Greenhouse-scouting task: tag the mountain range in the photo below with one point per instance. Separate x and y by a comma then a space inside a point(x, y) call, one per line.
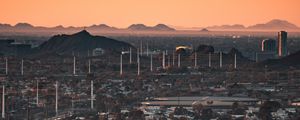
point(274, 24)
point(100, 27)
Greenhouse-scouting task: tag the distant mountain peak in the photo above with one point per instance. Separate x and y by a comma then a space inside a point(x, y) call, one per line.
point(277, 21)
point(234, 26)
point(103, 25)
point(82, 33)
point(274, 24)
point(23, 25)
point(158, 27)
point(204, 30)
point(137, 26)
point(163, 27)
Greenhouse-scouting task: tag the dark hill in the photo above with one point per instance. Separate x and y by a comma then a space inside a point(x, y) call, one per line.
point(227, 58)
point(290, 60)
point(239, 56)
point(205, 49)
point(80, 42)
point(234, 51)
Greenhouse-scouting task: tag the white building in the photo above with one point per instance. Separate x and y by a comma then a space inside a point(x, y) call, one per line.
point(98, 52)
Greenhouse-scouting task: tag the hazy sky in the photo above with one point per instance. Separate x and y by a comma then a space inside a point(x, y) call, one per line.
point(122, 13)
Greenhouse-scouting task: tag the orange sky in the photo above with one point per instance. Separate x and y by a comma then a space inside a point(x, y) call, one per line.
point(122, 13)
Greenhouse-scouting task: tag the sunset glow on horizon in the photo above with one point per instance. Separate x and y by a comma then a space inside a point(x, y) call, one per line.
point(122, 13)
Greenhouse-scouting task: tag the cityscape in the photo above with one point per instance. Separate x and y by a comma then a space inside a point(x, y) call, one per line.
point(172, 71)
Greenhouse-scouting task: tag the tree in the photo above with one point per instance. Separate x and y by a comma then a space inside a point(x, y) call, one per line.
point(237, 109)
point(136, 115)
point(207, 114)
point(197, 107)
point(266, 108)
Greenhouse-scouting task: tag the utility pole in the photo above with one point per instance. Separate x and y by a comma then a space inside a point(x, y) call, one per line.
point(178, 64)
point(151, 63)
point(3, 101)
point(138, 62)
point(163, 60)
point(6, 66)
point(130, 55)
point(141, 48)
point(121, 66)
point(37, 92)
point(169, 61)
point(209, 60)
point(92, 94)
point(173, 59)
point(56, 98)
point(74, 65)
point(89, 67)
point(22, 67)
point(147, 49)
point(195, 64)
point(221, 60)
point(235, 61)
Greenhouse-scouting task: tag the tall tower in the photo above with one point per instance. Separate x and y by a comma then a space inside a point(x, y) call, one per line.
point(282, 43)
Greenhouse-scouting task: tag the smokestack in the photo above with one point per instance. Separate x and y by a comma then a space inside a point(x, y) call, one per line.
point(221, 60)
point(195, 64)
point(6, 66)
point(3, 101)
point(151, 63)
point(22, 67)
point(209, 60)
point(121, 65)
point(92, 94)
point(235, 61)
point(56, 98)
point(130, 55)
point(164, 60)
point(88, 52)
point(178, 64)
point(74, 65)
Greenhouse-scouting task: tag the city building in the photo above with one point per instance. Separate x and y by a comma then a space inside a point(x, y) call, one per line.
point(184, 50)
point(282, 43)
point(98, 52)
point(268, 50)
point(268, 45)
